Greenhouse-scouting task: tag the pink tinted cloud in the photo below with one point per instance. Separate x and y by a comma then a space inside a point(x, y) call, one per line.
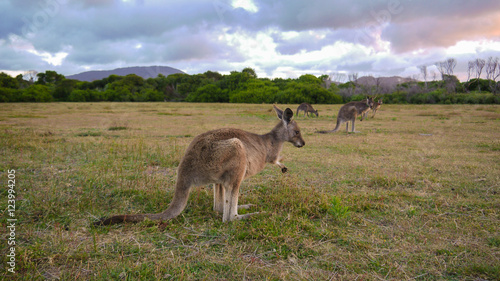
point(430, 32)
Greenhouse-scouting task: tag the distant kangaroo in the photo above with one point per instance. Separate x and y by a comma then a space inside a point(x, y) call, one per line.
point(376, 106)
point(348, 113)
point(306, 108)
point(224, 157)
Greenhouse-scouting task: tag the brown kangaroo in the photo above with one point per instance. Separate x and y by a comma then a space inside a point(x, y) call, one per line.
point(376, 107)
point(224, 157)
point(348, 113)
point(306, 108)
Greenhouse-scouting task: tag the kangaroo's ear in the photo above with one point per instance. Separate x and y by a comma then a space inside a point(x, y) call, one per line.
point(287, 117)
point(279, 112)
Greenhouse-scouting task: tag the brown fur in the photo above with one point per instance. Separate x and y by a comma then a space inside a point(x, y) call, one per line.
point(306, 108)
point(376, 107)
point(224, 157)
point(348, 113)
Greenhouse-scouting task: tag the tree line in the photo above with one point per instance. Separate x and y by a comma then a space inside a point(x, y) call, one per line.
point(242, 87)
point(236, 87)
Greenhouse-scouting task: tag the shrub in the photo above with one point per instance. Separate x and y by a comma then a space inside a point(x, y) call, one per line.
point(207, 93)
point(77, 96)
point(36, 93)
point(9, 95)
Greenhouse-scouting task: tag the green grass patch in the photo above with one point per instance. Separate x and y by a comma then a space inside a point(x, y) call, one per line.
point(26, 116)
point(90, 133)
point(117, 128)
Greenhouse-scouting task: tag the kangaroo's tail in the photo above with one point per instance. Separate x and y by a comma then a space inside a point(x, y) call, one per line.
point(176, 207)
point(334, 130)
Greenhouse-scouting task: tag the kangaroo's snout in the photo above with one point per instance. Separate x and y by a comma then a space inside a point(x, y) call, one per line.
point(300, 144)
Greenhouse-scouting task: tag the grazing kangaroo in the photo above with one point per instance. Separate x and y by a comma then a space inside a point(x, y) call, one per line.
point(376, 106)
point(348, 113)
point(224, 157)
point(306, 108)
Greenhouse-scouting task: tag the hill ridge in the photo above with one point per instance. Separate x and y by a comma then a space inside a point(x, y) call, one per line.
point(142, 71)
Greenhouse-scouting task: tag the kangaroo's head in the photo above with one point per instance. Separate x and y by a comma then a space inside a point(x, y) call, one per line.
point(369, 102)
point(316, 112)
point(289, 130)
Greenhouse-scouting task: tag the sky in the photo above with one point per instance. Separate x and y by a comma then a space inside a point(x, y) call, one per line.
point(277, 38)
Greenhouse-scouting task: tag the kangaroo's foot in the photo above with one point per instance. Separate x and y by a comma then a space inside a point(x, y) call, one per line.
point(283, 168)
point(245, 216)
point(246, 207)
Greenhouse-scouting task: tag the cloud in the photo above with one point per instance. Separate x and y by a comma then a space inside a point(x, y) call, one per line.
point(19, 58)
point(441, 32)
point(274, 37)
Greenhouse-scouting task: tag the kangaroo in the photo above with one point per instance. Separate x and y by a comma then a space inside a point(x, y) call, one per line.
point(365, 114)
point(376, 107)
point(224, 157)
point(348, 113)
point(306, 108)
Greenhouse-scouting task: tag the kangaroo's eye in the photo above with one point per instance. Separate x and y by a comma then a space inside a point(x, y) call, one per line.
point(297, 132)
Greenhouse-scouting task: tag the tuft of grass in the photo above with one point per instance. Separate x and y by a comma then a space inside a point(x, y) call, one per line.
point(90, 133)
point(174, 114)
point(26, 116)
point(337, 209)
point(117, 128)
point(494, 241)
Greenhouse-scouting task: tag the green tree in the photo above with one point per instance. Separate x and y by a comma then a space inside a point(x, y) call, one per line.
point(23, 84)
point(233, 81)
point(310, 79)
point(214, 76)
point(296, 92)
point(125, 89)
point(208, 93)
point(8, 81)
point(250, 72)
point(77, 96)
point(10, 95)
point(37, 93)
point(64, 88)
point(255, 91)
point(49, 77)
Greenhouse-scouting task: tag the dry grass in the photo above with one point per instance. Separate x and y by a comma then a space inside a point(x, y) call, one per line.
point(415, 195)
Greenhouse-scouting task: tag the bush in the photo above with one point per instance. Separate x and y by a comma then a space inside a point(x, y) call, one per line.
point(208, 93)
point(77, 96)
point(9, 95)
point(261, 95)
point(152, 95)
point(311, 93)
point(396, 98)
point(36, 93)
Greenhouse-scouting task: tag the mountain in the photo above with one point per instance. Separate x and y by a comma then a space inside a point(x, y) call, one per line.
point(143, 71)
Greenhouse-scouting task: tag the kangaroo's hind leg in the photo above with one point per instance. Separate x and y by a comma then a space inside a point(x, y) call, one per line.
point(218, 198)
point(234, 171)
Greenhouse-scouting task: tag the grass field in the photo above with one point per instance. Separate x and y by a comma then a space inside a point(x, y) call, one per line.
point(413, 196)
